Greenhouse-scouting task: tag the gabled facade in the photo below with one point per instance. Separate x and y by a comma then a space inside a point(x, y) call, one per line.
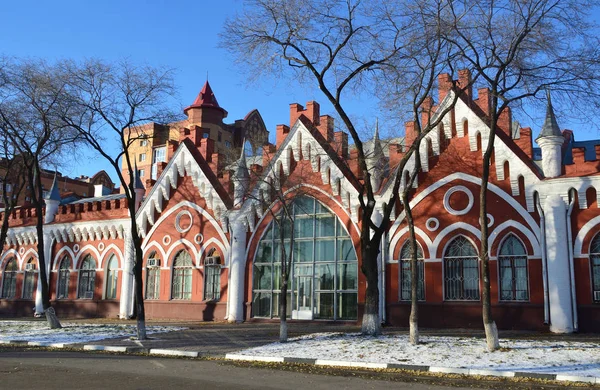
point(211, 246)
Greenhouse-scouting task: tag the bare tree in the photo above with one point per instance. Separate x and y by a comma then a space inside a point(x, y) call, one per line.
point(518, 49)
point(32, 96)
point(112, 102)
point(341, 46)
point(279, 196)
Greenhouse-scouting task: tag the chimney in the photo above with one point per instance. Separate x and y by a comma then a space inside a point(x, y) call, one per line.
point(444, 85)
point(483, 100)
point(426, 110)
point(464, 82)
point(207, 148)
point(325, 127)
point(280, 134)
point(409, 136)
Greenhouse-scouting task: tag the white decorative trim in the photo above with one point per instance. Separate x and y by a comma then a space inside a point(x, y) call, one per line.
point(194, 254)
point(453, 190)
point(21, 251)
point(59, 255)
point(455, 226)
point(101, 246)
point(117, 252)
point(178, 226)
point(193, 206)
point(491, 219)
point(432, 224)
point(93, 251)
point(76, 248)
point(533, 226)
point(583, 232)
point(394, 241)
point(166, 240)
point(198, 238)
point(24, 256)
point(521, 228)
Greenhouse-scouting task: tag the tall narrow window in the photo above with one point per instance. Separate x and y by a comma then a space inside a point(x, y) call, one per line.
point(153, 277)
point(111, 278)
point(182, 276)
point(212, 276)
point(29, 282)
point(405, 275)
point(64, 274)
point(512, 261)
point(595, 264)
point(87, 278)
point(461, 271)
point(9, 279)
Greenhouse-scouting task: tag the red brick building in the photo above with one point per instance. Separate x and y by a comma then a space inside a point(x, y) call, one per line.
point(210, 245)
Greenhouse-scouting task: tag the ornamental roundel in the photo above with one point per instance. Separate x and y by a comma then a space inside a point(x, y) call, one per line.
point(184, 221)
point(76, 248)
point(101, 246)
point(198, 238)
point(458, 200)
point(21, 251)
point(432, 224)
point(166, 240)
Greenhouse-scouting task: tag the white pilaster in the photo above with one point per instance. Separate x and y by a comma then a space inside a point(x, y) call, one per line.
point(237, 270)
point(126, 299)
point(559, 283)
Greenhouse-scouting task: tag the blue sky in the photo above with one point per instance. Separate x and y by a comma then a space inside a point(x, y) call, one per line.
point(178, 34)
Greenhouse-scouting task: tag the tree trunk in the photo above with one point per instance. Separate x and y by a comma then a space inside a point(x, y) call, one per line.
point(283, 326)
point(414, 276)
point(36, 189)
point(491, 332)
point(370, 321)
point(139, 281)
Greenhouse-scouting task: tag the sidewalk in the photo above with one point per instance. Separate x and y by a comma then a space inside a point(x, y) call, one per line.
point(222, 340)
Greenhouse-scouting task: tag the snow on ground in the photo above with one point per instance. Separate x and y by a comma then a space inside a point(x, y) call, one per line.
point(545, 356)
point(39, 331)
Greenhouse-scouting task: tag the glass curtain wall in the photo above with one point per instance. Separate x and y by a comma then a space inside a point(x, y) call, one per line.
point(324, 274)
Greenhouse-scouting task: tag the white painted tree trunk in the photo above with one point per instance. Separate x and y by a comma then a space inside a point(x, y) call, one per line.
point(414, 333)
point(283, 331)
point(370, 324)
point(491, 336)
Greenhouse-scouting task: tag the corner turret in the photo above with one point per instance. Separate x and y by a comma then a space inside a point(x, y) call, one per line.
point(550, 141)
point(52, 201)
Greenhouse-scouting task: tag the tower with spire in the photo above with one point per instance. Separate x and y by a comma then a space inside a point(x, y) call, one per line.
point(375, 159)
point(550, 141)
point(52, 201)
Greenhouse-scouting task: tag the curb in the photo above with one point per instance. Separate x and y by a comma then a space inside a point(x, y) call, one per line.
point(316, 362)
point(444, 370)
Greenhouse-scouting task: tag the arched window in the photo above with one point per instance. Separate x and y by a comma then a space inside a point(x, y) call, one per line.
point(512, 261)
point(461, 271)
point(9, 279)
point(64, 274)
point(111, 278)
point(153, 276)
point(595, 264)
point(29, 281)
point(181, 287)
point(405, 275)
point(87, 278)
point(323, 280)
point(212, 276)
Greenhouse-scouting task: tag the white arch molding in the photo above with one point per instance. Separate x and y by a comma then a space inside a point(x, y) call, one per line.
point(93, 251)
point(520, 227)
point(330, 196)
point(583, 232)
point(59, 255)
point(533, 226)
point(419, 232)
point(117, 252)
point(449, 229)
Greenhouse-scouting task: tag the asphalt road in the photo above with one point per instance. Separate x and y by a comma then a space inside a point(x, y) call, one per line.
point(75, 370)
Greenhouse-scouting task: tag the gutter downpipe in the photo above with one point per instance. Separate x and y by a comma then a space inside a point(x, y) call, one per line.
point(544, 263)
point(572, 266)
point(229, 270)
point(383, 258)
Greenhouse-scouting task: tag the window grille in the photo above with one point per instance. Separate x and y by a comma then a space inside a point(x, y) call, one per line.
point(405, 275)
point(182, 276)
point(595, 264)
point(461, 271)
point(87, 278)
point(64, 275)
point(512, 261)
point(9, 279)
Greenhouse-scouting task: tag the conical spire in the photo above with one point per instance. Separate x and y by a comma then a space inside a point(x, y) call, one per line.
point(241, 165)
point(206, 99)
point(54, 193)
point(377, 149)
point(139, 185)
point(550, 128)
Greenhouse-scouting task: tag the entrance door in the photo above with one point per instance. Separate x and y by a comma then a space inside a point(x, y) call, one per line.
point(303, 294)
